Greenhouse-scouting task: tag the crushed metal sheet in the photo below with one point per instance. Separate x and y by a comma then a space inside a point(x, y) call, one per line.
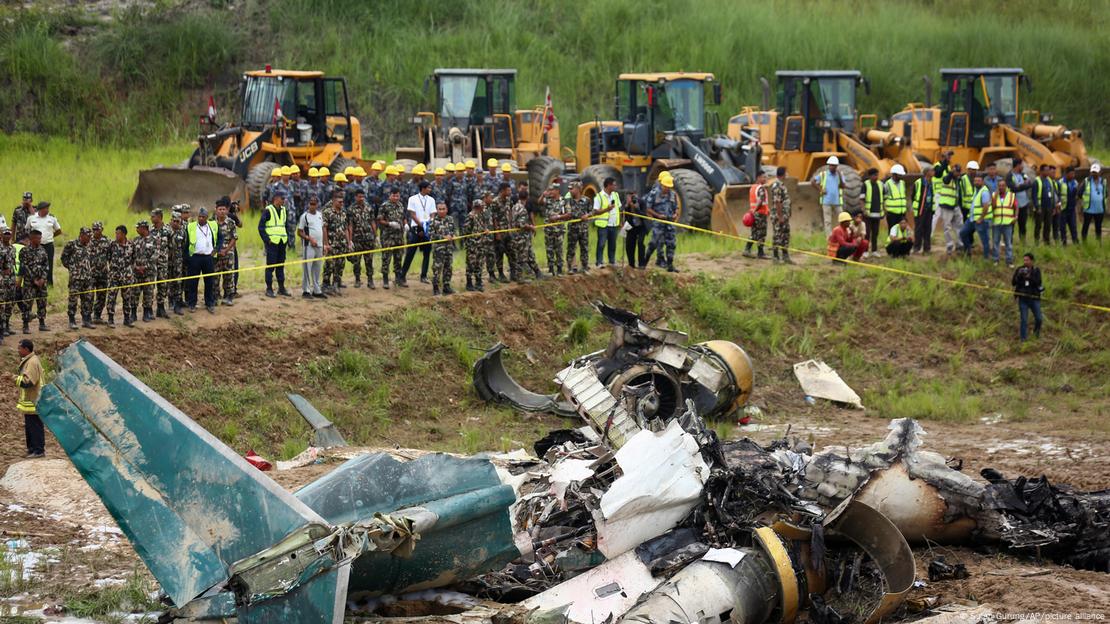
point(820, 381)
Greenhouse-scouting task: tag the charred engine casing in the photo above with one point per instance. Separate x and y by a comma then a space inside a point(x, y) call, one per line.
point(650, 370)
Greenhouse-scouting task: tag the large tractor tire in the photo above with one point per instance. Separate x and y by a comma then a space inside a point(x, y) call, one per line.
point(258, 178)
point(594, 176)
point(340, 164)
point(695, 198)
point(541, 171)
point(852, 183)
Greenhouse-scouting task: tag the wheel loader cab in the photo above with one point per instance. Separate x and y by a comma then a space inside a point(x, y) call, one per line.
point(315, 109)
point(655, 107)
point(974, 101)
point(482, 99)
point(812, 105)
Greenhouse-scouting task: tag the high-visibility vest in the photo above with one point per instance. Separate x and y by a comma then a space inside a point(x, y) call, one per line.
point(868, 197)
point(944, 193)
point(612, 201)
point(895, 197)
point(1062, 191)
point(1005, 211)
point(822, 178)
point(275, 225)
point(18, 248)
point(967, 191)
point(979, 210)
point(25, 404)
point(899, 230)
point(1085, 201)
point(919, 195)
point(1039, 186)
point(191, 232)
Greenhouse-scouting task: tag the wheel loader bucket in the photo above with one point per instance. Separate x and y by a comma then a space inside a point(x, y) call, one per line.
point(199, 186)
point(729, 206)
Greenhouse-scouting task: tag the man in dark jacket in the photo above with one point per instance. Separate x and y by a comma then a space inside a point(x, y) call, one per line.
point(1027, 290)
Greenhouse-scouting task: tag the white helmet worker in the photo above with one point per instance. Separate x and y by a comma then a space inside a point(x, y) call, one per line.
point(898, 170)
point(973, 164)
point(832, 161)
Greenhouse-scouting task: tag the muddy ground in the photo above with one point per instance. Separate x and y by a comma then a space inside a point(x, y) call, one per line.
point(55, 513)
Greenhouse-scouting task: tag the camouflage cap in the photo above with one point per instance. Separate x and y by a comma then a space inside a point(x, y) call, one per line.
point(477, 203)
point(181, 208)
point(98, 225)
point(576, 184)
point(155, 211)
point(5, 230)
point(143, 223)
point(85, 231)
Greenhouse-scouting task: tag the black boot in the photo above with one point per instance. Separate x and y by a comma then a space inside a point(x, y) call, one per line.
point(26, 327)
point(478, 284)
point(111, 320)
point(492, 278)
point(748, 250)
point(435, 290)
point(162, 311)
point(148, 315)
point(447, 290)
point(358, 281)
point(370, 283)
point(501, 277)
point(72, 322)
point(178, 308)
point(98, 319)
point(401, 281)
point(43, 327)
point(786, 257)
point(761, 255)
point(469, 284)
point(775, 252)
point(87, 323)
point(385, 282)
point(128, 318)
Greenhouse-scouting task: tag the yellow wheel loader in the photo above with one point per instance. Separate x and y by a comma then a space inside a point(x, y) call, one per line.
point(476, 118)
point(977, 119)
point(661, 125)
point(285, 117)
point(815, 118)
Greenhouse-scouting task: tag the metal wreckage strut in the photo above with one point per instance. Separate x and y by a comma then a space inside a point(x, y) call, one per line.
point(641, 515)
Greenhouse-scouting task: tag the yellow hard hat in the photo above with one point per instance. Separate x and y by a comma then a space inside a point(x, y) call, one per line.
point(390, 170)
point(506, 167)
point(470, 164)
point(491, 163)
point(398, 168)
point(419, 169)
point(377, 166)
point(287, 170)
point(313, 172)
point(349, 171)
point(844, 216)
point(324, 172)
point(666, 181)
point(276, 173)
point(441, 170)
point(340, 177)
point(449, 167)
point(294, 169)
point(665, 174)
point(359, 171)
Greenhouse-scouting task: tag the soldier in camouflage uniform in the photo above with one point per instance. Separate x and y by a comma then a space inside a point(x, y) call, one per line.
point(160, 235)
point(554, 211)
point(364, 238)
point(500, 219)
point(20, 215)
point(177, 260)
point(442, 230)
point(226, 247)
point(439, 186)
point(578, 232)
point(458, 204)
point(99, 244)
point(663, 206)
point(8, 291)
point(34, 266)
point(121, 275)
point(337, 241)
point(391, 218)
point(780, 217)
point(77, 257)
point(144, 260)
point(523, 257)
point(476, 247)
point(758, 206)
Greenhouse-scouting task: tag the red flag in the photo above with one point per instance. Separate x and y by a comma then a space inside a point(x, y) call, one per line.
point(278, 116)
point(211, 109)
point(548, 112)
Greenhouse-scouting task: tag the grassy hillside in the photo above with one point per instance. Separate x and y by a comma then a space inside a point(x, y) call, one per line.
point(144, 74)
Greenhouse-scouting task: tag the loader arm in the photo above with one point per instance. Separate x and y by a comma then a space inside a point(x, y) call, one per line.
point(860, 156)
point(1027, 147)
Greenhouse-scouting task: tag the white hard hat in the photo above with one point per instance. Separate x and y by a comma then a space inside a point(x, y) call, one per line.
point(898, 170)
point(973, 164)
point(833, 160)
point(1096, 168)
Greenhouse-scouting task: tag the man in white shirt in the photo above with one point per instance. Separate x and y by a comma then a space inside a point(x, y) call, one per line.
point(200, 242)
point(48, 224)
point(310, 229)
point(421, 209)
point(607, 209)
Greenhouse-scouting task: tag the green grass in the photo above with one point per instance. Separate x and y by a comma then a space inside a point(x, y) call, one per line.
point(109, 604)
point(146, 74)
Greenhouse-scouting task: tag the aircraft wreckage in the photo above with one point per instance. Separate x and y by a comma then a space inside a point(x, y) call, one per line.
point(641, 515)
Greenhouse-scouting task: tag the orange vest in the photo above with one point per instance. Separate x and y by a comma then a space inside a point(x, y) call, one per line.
point(755, 202)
